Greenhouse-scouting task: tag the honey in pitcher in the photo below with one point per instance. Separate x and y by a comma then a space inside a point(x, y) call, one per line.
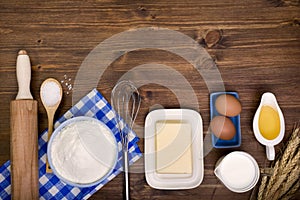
point(269, 122)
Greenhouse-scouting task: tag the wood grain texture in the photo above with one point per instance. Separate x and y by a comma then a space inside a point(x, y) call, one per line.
point(258, 51)
point(24, 150)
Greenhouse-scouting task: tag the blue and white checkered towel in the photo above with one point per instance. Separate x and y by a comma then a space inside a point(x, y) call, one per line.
point(92, 105)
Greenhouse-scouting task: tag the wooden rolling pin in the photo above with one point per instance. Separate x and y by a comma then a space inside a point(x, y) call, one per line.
point(24, 135)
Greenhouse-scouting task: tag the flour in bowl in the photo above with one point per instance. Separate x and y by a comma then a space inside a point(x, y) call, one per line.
point(83, 152)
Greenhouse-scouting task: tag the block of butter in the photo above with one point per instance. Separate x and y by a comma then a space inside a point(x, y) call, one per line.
point(173, 144)
point(174, 149)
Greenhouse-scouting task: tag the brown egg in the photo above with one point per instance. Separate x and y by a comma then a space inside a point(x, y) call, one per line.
point(222, 127)
point(228, 105)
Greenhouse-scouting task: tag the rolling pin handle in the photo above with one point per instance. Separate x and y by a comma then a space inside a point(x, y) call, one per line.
point(23, 69)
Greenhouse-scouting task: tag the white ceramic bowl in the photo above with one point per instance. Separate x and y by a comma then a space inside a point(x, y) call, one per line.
point(102, 150)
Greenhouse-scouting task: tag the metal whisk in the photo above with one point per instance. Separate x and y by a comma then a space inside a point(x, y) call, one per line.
point(126, 100)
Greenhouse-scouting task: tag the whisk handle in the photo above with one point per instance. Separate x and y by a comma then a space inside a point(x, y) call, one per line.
point(126, 174)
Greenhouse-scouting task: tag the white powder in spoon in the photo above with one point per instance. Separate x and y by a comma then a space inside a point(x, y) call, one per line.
point(50, 92)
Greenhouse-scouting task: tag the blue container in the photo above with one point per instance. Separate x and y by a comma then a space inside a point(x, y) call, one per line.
point(236, 140)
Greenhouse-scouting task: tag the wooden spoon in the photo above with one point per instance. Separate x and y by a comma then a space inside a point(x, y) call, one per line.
point(51, 95)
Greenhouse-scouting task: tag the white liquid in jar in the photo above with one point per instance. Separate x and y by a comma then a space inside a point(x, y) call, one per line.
point(237, 171)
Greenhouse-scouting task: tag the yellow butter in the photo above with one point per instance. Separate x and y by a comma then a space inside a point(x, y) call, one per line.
point(173, 143)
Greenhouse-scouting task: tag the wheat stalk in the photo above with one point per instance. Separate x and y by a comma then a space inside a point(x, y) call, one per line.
point(283, 169)
point(292, 191)
point(282, 182)
point(262, 187)
point(294, 176)
point(286, 171)
point(276, 186)
point(280, 163)
point(273, 177)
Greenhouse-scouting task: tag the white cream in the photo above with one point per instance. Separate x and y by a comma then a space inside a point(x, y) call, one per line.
point(83, 152)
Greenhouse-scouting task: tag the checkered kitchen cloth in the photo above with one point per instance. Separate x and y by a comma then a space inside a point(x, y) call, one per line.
point(51, 187)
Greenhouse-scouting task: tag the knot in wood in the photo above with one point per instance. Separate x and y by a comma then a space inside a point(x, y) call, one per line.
point(213, 37)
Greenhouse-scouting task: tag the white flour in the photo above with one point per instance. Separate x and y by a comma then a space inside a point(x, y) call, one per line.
point(83, 152)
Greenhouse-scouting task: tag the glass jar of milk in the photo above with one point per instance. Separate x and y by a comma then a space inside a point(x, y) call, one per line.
point(238, 171)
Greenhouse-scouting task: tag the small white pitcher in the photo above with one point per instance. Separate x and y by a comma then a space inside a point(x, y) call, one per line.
point(238, 171)
point(268, 99)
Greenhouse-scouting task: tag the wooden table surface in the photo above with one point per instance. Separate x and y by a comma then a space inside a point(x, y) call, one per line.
point(255, 44)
